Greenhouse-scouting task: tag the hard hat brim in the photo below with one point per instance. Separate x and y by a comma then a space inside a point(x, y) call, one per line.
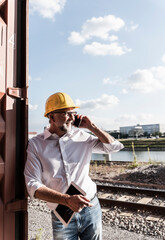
point(46, 114)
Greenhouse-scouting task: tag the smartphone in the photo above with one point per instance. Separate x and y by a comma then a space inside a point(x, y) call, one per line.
point(77, 121)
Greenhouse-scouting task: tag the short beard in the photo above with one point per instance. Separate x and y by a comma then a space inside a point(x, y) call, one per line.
point(65, 128)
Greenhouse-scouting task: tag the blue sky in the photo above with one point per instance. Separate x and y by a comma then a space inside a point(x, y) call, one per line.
point(108, 55)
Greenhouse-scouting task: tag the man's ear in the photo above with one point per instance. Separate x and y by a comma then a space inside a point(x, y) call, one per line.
point(51, 117)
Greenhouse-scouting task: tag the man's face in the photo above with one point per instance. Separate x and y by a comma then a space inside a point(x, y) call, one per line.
point(63, 119)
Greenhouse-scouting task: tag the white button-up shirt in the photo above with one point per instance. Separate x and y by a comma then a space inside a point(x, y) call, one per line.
point(55, 161)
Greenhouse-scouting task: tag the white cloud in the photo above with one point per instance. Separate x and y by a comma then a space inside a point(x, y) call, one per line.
point(163, 58)
point(97, 27)
point(113, 38)
point(132, 27)
point(101, 28)
point(107, 81)
point(106, 49)
point(125, 120)
point(37, 79)
point(124, 91)
point(104, 122)
point(33, 107)
point(76, 38)
point(147, 80)
point(34, 79)
point(47, 9)
point(103, 102)
point(133, 119)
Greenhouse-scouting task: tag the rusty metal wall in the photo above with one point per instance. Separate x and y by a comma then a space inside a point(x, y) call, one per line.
point(13, 117)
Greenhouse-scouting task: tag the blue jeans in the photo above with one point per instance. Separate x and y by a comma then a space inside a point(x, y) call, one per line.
point(85, 225)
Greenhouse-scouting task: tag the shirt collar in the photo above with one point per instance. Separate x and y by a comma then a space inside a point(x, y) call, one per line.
point(48, 134)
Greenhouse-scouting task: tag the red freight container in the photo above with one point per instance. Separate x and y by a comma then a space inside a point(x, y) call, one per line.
point(13, 118)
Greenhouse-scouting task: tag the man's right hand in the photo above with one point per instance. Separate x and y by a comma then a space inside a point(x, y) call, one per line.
point(77, 202)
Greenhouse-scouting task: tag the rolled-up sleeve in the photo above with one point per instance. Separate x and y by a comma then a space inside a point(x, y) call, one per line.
point(33, 171)
point(114, 146)
point(99, 147)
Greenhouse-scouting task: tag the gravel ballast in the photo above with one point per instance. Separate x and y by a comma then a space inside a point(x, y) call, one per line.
point(40, 225)
point(115, 225)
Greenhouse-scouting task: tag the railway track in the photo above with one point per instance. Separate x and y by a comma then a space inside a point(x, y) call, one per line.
point(128, 183)
point(131, 198)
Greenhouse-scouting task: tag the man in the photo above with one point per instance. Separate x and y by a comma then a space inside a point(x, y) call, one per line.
point(61, 155)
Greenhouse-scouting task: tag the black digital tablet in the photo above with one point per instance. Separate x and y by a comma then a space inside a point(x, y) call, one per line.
point(64, 213)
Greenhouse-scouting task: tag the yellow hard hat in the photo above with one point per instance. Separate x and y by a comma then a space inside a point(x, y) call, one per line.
point(57, 101)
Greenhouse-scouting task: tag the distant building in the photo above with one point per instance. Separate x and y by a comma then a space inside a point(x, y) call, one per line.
point(136, 131)
point(31, 134)
point(153, 128)
point(114, 133)
point(146, 129)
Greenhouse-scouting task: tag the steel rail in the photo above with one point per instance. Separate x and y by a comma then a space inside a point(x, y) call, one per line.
point(129, 183)
point(148, 192)
point(133, 206)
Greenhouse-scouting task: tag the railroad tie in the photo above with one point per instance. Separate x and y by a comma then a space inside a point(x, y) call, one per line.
point(106, 195)
point(145, 200)
point(153, 218)
point(126, 214)
point(104, 209)
point(123, 198)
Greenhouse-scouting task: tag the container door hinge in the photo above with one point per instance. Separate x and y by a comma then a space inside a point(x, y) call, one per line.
point(17, 205)
point(17, 92)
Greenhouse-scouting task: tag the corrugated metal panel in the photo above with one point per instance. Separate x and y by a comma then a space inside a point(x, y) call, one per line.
point(13, 118)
